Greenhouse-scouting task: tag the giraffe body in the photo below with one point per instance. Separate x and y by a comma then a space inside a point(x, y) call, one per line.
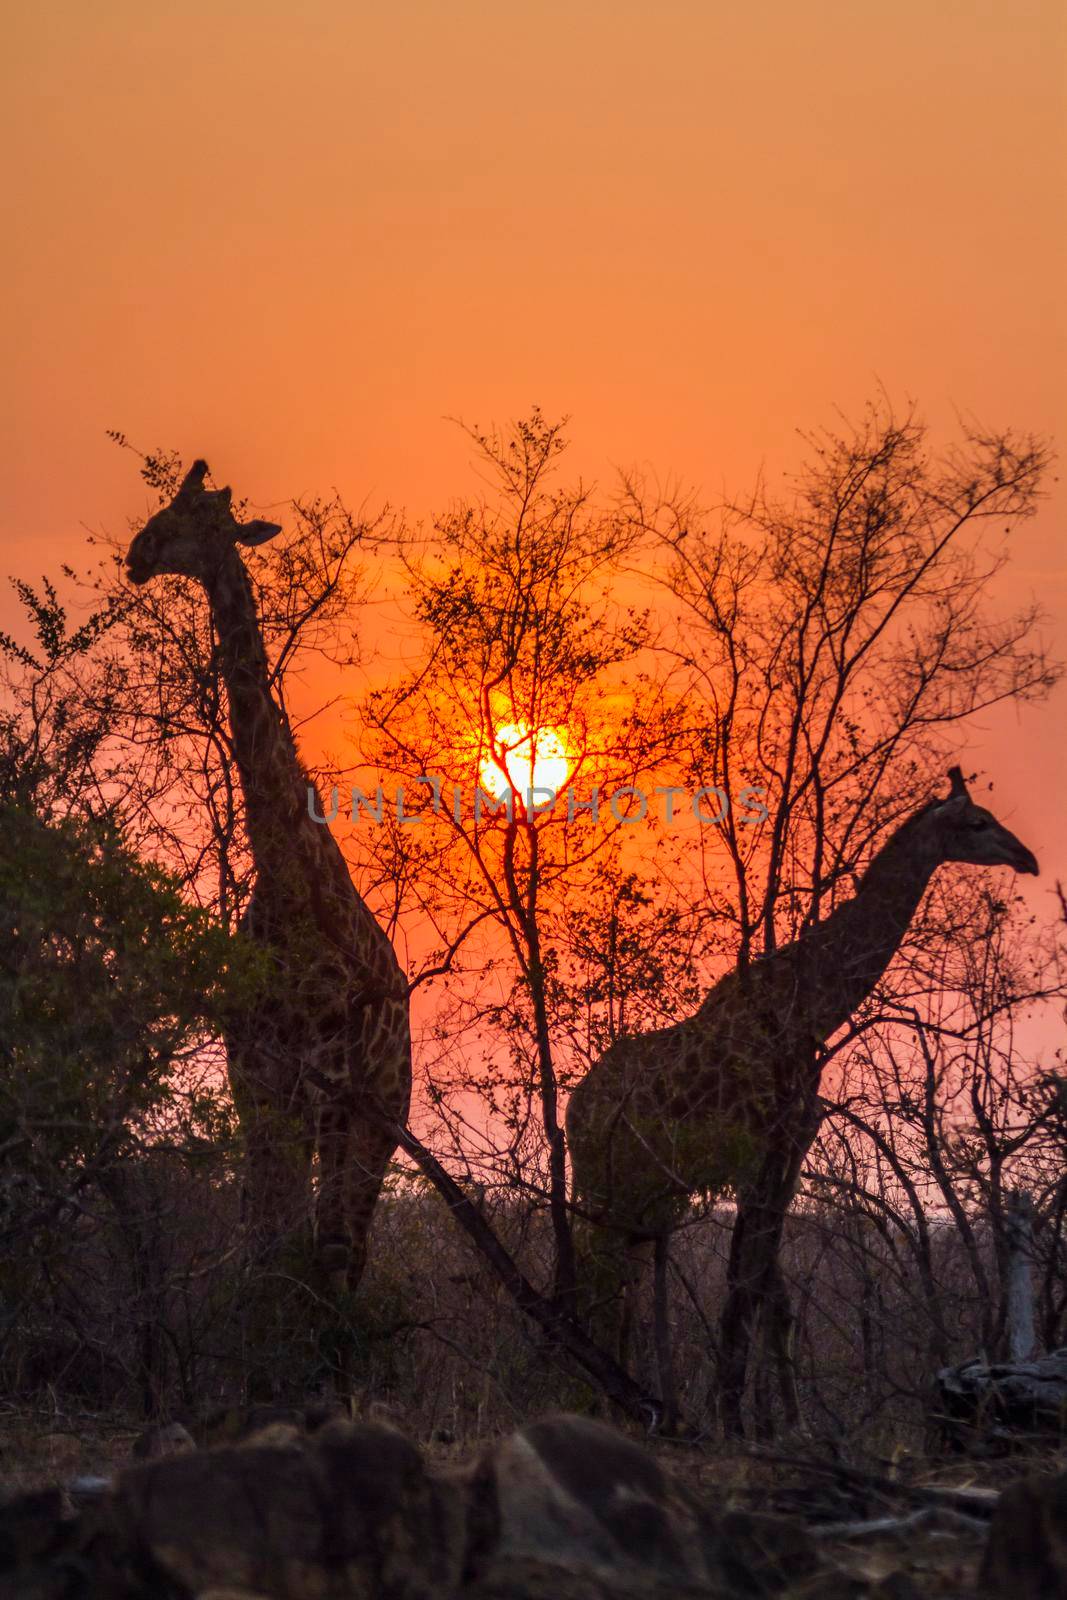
point(727, 1098)
point(322, 1065)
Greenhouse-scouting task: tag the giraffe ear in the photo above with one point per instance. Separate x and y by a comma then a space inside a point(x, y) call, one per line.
point(257, 532)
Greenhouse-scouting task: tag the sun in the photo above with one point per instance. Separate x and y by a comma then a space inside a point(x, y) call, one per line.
point(531, 761)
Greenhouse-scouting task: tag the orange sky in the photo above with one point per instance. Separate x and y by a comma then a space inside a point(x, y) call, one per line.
point(294, 238)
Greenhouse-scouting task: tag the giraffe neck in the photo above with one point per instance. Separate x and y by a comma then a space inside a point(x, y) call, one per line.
point(274, 785)
point(839, 962)
point(299, 865)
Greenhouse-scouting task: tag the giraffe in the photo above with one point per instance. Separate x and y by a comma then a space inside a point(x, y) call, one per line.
point(728, 1097)
point(325, 1060)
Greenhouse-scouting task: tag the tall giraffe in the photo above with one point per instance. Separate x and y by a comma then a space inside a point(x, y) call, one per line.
point(330, 1047)
point(729, 1096)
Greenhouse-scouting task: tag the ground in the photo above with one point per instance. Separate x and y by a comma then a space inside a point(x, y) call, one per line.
point(909, 1527)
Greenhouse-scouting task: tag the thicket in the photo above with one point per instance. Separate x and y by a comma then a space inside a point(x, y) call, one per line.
point(831, 646)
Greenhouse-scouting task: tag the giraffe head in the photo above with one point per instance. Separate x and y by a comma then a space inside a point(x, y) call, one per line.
point(967, 832)
point(191, 535)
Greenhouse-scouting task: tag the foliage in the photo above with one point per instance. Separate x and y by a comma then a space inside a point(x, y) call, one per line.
point(829, 645)
point(108, 980)
point(53, 734)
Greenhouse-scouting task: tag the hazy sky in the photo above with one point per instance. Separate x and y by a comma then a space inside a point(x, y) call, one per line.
point(294, 238)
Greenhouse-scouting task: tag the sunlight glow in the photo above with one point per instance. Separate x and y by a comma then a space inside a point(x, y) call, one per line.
point(539, 761)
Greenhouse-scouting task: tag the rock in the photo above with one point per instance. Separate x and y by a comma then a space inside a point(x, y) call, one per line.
point(62, 1451)
point(528, 1579)
point(996, 1403)
point(32, 1526)
point(88, 1489)
point(593, 1499)
point(233, 1425)
point(275, 1433)
point(319, 1412)
point(354, 1513)
point(564, 1509)
point(260, 1419)
point(574, 1495)
point(40, 1540)
point(164, 1439)
point(1026, 1555)
point(230, 1594)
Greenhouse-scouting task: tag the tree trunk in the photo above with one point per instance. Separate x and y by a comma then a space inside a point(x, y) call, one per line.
point(562, 1331)
point(1019, 1295)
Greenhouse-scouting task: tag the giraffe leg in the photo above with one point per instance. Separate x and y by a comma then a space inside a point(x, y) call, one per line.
point(754, 1247)
point(333, 1242)
point(367, 1160)
point(777, 1338)
point(277, 1157)
point(781, 1318)
point(756, 1239)
point(352, 1164)
point(738, 1320)
point(624, 1326)
point(661, 1322)
point(753, 1256)
point(601, 1278)
point(634, 1263)
point(783, 1328)
point(610, 1267)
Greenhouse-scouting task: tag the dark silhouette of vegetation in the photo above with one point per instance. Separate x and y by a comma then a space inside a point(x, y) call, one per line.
point(830, 650)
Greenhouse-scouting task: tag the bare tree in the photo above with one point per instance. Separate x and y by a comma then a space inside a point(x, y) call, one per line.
point(527, 725)
point(836, 645)
point(944, 1113)
point(829, 648)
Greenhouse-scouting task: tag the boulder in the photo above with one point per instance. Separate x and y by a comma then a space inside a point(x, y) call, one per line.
point(32, 1526)
point(163, 1439)
point(1026, 1554)
point(998, 1403)
point(563, 1509)
point(574, 1498)
point(353, 1513)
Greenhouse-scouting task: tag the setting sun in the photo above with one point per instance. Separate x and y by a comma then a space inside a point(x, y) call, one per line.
point(537, 761)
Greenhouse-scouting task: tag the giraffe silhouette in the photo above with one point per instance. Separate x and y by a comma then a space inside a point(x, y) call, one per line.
point(325, 1057)
point(728, 1098)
